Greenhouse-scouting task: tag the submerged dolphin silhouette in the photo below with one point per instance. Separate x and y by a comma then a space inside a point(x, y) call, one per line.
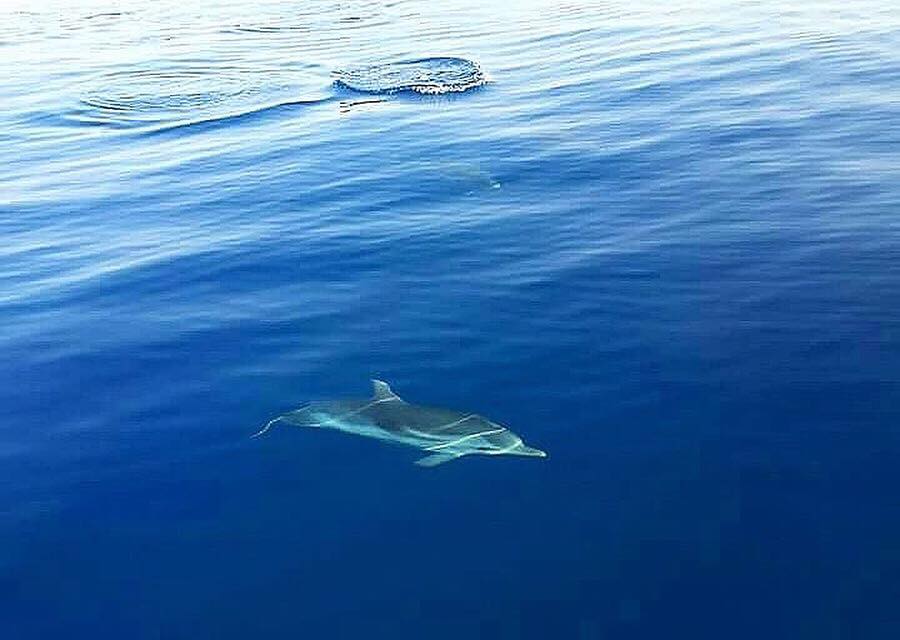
point(444, 434)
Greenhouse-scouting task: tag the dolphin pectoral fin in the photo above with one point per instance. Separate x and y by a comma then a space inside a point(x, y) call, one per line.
point(436, 458)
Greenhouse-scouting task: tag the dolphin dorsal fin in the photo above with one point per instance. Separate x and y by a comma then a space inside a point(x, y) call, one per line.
point(382, 391)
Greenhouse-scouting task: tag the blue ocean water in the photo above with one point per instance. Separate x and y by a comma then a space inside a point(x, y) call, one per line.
point(660, 243)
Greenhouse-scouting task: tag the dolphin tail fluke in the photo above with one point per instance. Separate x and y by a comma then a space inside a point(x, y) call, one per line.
point(266, 428)
point(436, 458)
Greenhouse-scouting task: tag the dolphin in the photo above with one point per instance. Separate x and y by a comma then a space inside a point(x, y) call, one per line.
point(443, 433)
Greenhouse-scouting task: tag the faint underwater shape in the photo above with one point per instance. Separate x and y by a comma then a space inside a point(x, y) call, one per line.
point(469, 176)
point(443, 433)
point(427, 76)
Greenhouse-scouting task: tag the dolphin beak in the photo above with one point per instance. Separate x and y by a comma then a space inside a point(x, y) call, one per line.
point(525, 450)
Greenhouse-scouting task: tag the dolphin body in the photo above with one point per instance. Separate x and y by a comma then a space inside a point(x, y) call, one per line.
point(445, 434)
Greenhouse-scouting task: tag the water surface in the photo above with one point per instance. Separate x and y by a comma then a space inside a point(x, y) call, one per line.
point(661, 243)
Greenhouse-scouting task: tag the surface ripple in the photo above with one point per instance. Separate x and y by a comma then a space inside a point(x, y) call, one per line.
point(191, 94)
point(427, 76)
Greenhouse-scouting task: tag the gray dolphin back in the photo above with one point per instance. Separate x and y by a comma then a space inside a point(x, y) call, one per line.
point(442, 433)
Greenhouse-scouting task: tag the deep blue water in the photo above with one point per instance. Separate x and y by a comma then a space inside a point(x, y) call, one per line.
point(662, 243)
